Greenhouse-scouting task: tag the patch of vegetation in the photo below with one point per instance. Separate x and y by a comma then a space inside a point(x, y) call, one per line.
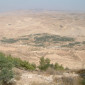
point(58, 67)
point(11, 40)
point(7, 61)
point(6, 73)
point(72, 44)
point(53, 38)
point(48, 38)
point(17, 62)
point(83, 82)
point(40, 40)
point(83, 42)
point(5, 76)
point(45, 64)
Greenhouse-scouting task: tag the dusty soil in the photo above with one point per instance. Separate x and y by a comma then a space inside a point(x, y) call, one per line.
point(41, 78)
point(15, 25)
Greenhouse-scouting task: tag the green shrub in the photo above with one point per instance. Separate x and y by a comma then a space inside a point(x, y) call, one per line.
point(83, 42)
point(6, 73)
point(17, 62)
point(27, 65)
point(4, 62)
point(9, 62)
point(58, 67)
point(83, 82)
point(5, 76)
point(51, 38)
point(9, 40)
point(44, 63)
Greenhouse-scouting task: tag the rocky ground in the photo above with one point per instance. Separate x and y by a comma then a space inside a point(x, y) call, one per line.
point(43, 78)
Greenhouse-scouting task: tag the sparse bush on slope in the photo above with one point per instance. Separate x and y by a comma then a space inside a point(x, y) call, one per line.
point(6, 65)
point(58, 67)
point(10, 41)
point(6, 75)
point(45, 64)
point(9, 61)
point(17, 62)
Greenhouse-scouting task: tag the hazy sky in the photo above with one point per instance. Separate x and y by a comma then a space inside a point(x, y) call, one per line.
point(8, 5)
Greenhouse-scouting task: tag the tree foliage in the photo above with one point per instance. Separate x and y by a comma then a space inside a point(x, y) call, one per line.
point(6, 73)
point(45, 64)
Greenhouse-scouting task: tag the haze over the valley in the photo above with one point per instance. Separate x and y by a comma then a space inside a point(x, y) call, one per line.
point(63, 5)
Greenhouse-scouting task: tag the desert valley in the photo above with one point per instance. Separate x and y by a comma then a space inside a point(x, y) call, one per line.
point(30, 35)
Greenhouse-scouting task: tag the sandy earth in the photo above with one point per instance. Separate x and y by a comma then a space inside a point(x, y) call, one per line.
point(13, 25)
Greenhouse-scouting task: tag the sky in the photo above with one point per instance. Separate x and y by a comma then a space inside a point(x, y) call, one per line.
point(66, 5)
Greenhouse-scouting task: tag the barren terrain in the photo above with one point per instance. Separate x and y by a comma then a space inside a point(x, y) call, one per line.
point(54, 35)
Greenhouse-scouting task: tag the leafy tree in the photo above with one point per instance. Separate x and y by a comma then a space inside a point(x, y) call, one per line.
point(6, 73)
point(58, 67)
point(5, 76)
point(83, 82)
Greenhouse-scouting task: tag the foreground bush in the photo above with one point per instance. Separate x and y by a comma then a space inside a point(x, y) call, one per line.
point(83, 82)
point(6, 65)
point(6, 73)
point(5, 76)
point(9, 62)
